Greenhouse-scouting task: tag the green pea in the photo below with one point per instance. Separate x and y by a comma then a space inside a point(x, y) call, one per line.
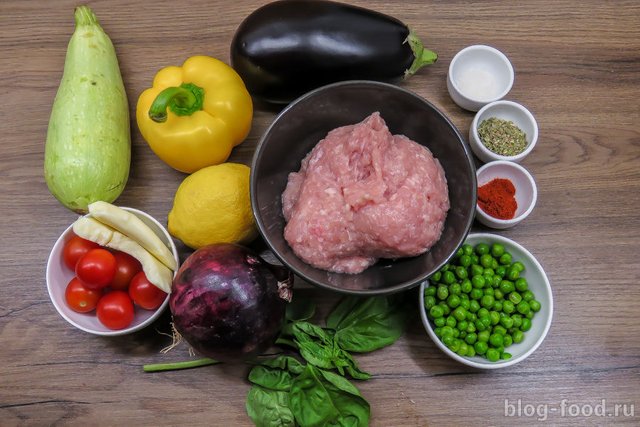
point(515, 297)
point(445, 308)
point(478, 281)
point(505, 258)
point(476, 293)
point(462, 325)
point(497, 249)
point(448, 277)
point(529, 315)
point(436, 311)
point(430, 291)
point(512, 274)
point(487, 301)
point(507, 286)
point(528, 296)
point(464, 303)
point(494, 263)
point(497, 306)
point(456, 333)
point(455, 289)
point(439, 322)
point(517, 320)
point(447, 340)
point(479, 325)
point(471, 352)
point(466, 286)
point(438, 332)
point(498, 295)
point(484, 336)
point(501, 270)
point(486, 320)
point(429, 302)
point(488, 291)
point(455, 346)
point(435, 278)
point(462, 350)
point(499, 330)
point(461, 272)
point(505, 356)
point(508, 340)
point(521, 284)
point(495, 281)
point(462, 334)
point(486, 260)
point(507, 322)
point(459, 252)
point(508, 307)
point(480, 347)
point(483, 312)
point(443, 292)
point(460, 314)
point(495, 317)
point(523, 307)
point(526, 325)
point(471, 338)
point(471, 327)
point(488, 272)
point(451, 321)
point(474, 306)
point(482, 248)
point(445, 267)
point(518, 266)
point(476, 270)
point(518, 336)
point(474, 259)
point(493, 355)
point(465, 260)
point(453, 301)
point(535, 305)
point(467, 249)
point(464, 296)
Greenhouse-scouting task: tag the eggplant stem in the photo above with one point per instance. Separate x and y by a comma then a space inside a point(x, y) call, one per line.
point(422, 56)
point(187, 364)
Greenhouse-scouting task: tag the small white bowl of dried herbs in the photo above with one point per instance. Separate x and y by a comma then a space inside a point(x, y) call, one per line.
point(503, 130)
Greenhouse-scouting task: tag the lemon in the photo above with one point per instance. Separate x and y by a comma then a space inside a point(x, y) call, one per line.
point(213, 205)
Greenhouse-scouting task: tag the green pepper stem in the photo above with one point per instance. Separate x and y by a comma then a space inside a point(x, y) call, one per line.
point(182, 100)
point(158, 367)
point(422, 56)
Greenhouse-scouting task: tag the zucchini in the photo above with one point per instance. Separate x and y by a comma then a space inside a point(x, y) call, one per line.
point(288, 47)
point(88, 146)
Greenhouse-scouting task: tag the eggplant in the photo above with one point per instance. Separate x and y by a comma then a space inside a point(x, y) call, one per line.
point(289, 47)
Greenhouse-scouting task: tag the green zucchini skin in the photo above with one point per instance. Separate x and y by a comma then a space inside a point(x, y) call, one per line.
point(88, 146)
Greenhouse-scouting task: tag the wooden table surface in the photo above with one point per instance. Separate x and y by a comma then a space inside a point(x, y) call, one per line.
point(577, 69)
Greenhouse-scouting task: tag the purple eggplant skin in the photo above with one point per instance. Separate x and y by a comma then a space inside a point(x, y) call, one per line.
point(228, 303)
point(289, 47)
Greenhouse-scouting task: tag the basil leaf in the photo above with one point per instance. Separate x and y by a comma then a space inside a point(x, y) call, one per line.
point(321, 398)
point(300, 309)
point(269, 408)
point(371, 323)
point(272, 379)
point(341, 311)
point(286, 363)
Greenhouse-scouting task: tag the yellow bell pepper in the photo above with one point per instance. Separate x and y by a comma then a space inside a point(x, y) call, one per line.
point(194, 115)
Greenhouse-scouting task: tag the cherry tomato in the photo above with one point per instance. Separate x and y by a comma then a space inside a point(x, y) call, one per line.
point(80, 298)
point(144, 293)
point(126, 267)
point(74, 249)
point(96, 268)
point(115, 310)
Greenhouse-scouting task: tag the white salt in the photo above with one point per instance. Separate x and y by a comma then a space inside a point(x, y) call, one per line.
point(477, 83)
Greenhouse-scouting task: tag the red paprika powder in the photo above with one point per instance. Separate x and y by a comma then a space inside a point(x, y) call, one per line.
point(497, 198)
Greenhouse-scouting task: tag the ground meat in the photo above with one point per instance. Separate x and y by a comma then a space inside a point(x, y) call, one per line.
point(362, 194)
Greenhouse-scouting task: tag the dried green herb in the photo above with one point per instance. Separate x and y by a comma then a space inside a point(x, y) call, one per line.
point(502, 136)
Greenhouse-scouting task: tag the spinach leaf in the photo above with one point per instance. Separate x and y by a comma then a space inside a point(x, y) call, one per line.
point(367, 324)
point(317, 398)
point(269, 408)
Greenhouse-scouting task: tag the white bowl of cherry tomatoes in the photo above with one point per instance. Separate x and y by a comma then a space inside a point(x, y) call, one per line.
point(104, 291)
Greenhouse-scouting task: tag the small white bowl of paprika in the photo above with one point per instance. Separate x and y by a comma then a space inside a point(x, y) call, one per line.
point(503, 130)
point(507, 194)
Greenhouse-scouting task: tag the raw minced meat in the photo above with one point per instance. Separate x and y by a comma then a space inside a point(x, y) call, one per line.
point(362, 194)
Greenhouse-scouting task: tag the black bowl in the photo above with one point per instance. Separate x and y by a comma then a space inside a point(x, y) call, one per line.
point(302, 124)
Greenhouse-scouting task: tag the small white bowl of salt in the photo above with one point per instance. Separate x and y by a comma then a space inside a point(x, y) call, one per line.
point(479, 75)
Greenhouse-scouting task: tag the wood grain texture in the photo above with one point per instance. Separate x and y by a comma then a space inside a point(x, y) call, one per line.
point(577, 69)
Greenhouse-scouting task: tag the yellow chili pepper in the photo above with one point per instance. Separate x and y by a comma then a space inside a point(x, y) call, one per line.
point(195, 114)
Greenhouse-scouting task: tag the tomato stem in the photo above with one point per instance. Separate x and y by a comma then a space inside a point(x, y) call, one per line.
point(187, 364)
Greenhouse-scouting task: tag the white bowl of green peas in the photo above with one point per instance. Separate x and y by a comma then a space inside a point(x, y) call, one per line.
point(491, 306)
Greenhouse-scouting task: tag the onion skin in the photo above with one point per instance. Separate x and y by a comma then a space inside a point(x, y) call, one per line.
point(228, 303)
